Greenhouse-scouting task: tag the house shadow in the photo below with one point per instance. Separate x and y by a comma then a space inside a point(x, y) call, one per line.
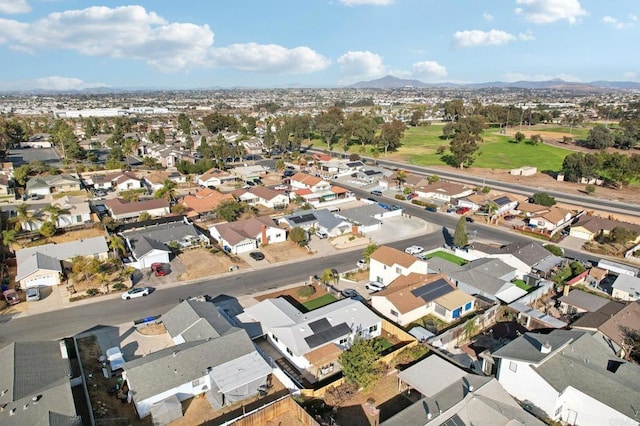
point(446, 235)
point(228, 303)
point(352, 415)
point(393, 406)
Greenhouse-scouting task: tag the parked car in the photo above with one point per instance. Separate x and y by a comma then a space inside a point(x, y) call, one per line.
point(470, 219)
point(431, 208)
point(376, 192)
point(256, 255)
point(322, 234)
point(463, 210)
point(361, 264)
point(412, 196)
point(33, 294)
point(158, 269)
point(509, 217)
point(413, 250)
point(374, 286)
point(348, 292)
point(11, 296)
point(136, 292)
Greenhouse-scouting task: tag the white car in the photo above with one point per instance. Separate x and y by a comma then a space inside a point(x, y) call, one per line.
point(361, 264)
point(414, 250)
point(136, 292)
point(33, 294)
point(374, 286)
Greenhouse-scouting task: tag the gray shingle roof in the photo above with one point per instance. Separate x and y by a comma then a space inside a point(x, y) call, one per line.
point(171, 367)
point(35, 262)
point(583, 300)
point(593, 320)
point(528, 346)
point(31, 369)
point(586, 365)
point(363, 215)
point(142, 245)
point(164, 232)
point(529, 253)
point(196, 320)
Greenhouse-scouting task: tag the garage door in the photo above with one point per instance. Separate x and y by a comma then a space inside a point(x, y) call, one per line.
point(580, 234)
point(43, 280)
point(159, 257)
point(245, 247)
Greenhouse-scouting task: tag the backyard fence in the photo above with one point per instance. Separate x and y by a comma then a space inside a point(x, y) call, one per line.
point(266, 414)
point(459, 334)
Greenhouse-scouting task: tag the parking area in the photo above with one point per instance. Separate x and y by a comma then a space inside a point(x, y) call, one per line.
point(22, 156)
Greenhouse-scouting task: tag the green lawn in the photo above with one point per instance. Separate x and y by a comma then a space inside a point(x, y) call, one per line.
point(447, 256)
point(318, 302)
point(521, 284)
point(497, 151)
point(383, 343)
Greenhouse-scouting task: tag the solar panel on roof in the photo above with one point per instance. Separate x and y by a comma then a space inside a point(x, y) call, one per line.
point(320, 325)
point(432, 291)
point(326, 336)
point(303, 218)
point(501, 201)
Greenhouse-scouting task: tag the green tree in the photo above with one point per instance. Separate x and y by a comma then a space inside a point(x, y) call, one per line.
point(621, 235)
point(543, 199)
point(577, 165)
point(401, 177)
point(555, 250)
point(21, 174)
point(48, 229)
point(329, 125)
point(463, 148)
point(298, 235)
point(519, 137)
point(327, 276)
point(54, 211)
point(116, 243)
point(391, 134)
point(368, 250)
point(460, 237)
point(23, 217)
point(230, 210)
point(535, 139)
point(9, 238)
point(433, 178)
point(590, 189)
point(144, 216)
point(168, 191)
point(360, 363)
point(599, 137)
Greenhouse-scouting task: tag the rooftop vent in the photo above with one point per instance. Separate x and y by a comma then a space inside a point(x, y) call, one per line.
point(545, 348)
point(12, 411)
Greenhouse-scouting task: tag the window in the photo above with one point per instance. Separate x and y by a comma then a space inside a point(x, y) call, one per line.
point(373, 328)
point(344, 341)
point(394, 313)
point(558, 411)
point(197, 382)
point(274, 337)
point(398, 270)
point(289, 352)
point(78, 218)
point(467, 306)
point(513, 366)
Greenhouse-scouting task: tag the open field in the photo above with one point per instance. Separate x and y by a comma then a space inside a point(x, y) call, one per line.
point(496, 151)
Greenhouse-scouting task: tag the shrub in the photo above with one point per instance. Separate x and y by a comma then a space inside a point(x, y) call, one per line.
point(306, 291)
point(92, 292)
point(119, 286)
point(399, 197)
point(419, 202)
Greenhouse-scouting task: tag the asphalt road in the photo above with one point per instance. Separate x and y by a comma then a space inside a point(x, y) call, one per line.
point(76, 319)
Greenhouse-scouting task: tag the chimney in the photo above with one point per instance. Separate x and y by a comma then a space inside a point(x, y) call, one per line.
point(265, 241)
point(545, 348)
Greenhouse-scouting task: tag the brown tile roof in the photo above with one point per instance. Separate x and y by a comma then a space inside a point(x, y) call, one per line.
point(124, 177)
point(265, 193)
point(391, 256)
point(323, 355)
point(119, 206)
point(442, 187)
point(306, 179)
point(596, 223)
point(555, 214)
point(205, 200)
point(339, 190)
point(214, 173)
point(532, 208)
point(157, 177)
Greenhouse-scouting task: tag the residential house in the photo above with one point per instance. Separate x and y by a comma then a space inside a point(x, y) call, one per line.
point(552, 220)
point(318, 219)
point(74, 211)
point(214, 178)
point(152, 243)
point(626, 288)
point(571, 376)
point(578, 302)
point(312, 183)
point(473, 201)
point(6, 185)
point(366, 218)
point(45, 185)
point(410, 180)
point(524, 256)
point(505, 204)
point(248, 234)
point(613, 323)
point(588, 227)
point(618, 268)
point(38, 385)
point(533, 319)
point(100, 181)
point(248, 173)
point(39, 140)
point(489, 278)
point(312, 341)
point(212, 357)
point(6, 169)
point(127, 181)
point(387, 263)
point(204, 202)
point(122, 209)
point(411, 297)
point(448, 395)
point(267, 197)
point(42, 265)
point(528, 209)
point(155, 181)
point(443, 191)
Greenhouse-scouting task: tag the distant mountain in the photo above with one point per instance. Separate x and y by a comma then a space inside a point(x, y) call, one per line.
point(391, 82)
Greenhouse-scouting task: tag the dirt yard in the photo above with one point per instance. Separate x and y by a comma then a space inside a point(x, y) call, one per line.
point(349, 241)
point(200, 262)
point(284, 251)
point(293, 293)
point(80, 234)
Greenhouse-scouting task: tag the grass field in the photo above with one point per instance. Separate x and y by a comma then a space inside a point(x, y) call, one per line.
point(319, 302)
point(447, 256)
point(497, 151)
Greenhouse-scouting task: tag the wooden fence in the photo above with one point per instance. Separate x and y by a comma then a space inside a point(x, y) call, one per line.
point(268, 413)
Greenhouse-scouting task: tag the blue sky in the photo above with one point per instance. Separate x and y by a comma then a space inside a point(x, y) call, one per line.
point(73, 44)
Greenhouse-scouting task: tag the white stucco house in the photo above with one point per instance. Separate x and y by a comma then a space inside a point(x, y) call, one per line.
point(571, 376)
point(386, 264)
point(249, 234)
point(626, 287)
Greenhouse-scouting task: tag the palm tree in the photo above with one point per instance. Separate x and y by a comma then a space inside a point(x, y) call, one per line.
point(54, 211)
point(8, 238)
point(117, 244)
point(401, 177)
point(168, 190)
point(24, 217)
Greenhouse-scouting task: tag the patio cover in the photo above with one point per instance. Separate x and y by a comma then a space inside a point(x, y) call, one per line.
point(166, 411)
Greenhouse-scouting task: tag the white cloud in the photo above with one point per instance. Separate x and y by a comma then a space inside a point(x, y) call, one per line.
point(526, 36)
point(619, 25)
point(366, 2)
point(429, 70)
point(362, 64)
point(516, 76)
point(631, 75)
point(270, 58)
point(487, 16)
point(8, 7)
point(474, 38)
point(132, 32)
point(547, 11)
point(62, 83)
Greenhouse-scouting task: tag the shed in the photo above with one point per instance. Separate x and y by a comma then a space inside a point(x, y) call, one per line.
point(166, 411)
point(421, 333)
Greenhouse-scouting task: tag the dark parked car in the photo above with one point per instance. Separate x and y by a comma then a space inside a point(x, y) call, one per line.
point(470, 219)
point(376, 192)
point(256, 255)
